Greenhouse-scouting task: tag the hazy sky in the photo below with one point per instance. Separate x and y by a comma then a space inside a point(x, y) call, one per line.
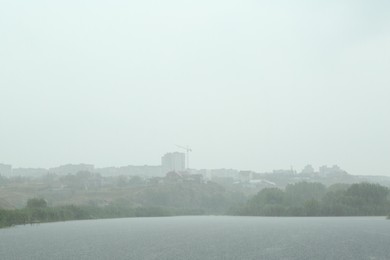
point(257, 85)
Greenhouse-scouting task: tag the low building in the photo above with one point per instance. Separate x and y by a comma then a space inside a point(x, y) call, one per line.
point(5, 170)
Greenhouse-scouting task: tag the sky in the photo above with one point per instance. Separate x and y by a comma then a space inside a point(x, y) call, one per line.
point(249, 85)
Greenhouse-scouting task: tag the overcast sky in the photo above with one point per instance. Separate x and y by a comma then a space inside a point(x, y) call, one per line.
point(256, 85)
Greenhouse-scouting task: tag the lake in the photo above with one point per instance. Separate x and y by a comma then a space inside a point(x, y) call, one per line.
point(201, 237)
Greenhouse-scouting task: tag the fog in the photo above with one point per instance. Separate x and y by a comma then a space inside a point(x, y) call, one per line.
point(207, 237)
point(249, 85)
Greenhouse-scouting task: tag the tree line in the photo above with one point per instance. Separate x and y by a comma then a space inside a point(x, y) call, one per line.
point(314, 199)
point(299, 199)
point(37, 211)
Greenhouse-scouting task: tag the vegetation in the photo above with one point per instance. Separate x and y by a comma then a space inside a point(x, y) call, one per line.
point(76, 197)
point(300, 199)
point(314, 199)
point(37, 211)
point(209, 197)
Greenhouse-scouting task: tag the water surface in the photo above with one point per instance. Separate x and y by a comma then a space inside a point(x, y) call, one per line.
point(201, 237)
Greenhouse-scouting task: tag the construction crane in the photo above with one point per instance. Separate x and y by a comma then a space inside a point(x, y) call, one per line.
point(188, 150)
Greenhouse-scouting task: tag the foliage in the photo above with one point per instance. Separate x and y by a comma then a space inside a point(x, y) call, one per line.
point(301, 192)
point(208, 197)
point(30, 215)
point(313, 199)
point(36, 203)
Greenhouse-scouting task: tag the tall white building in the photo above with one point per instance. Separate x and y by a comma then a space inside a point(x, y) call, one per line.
point(173, 162)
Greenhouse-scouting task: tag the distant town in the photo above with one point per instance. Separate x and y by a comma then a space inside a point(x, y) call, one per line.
point(172, 185)
point(173, 167)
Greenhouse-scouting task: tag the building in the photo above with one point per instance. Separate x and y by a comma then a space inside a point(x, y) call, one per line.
point(173, 162)
point(132, 170)
point(245, 176)
point(308, 171)
point(5, 170)
point(72, 169)
point(334, 171)
point(29, 172)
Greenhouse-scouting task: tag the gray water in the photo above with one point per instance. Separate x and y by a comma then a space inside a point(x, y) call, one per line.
point(205, 237)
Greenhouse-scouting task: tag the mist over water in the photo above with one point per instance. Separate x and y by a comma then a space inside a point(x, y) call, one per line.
point(149, 111)
point(207, 237)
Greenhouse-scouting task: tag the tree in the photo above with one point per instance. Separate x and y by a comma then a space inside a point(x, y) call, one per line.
point(301, 192)
point(36, 203)
point(368, 192)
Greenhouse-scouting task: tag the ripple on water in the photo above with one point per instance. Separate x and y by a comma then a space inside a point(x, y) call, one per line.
point(201, 237)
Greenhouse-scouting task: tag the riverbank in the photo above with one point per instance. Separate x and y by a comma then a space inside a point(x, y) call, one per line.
point(300, 199)
point(27, 215)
